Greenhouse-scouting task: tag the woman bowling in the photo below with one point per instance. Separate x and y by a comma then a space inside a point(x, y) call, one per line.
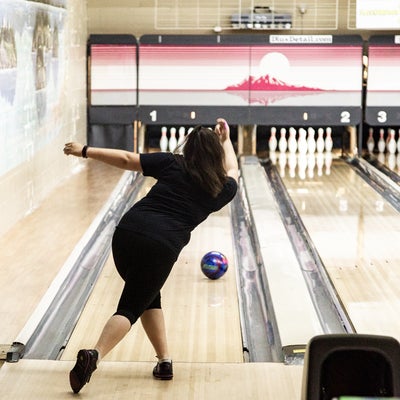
point(151, 235)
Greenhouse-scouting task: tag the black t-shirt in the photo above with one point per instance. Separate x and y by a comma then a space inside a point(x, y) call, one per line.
point(175, 205)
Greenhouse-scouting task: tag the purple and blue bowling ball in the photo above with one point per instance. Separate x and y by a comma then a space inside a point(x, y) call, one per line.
point(214, 264)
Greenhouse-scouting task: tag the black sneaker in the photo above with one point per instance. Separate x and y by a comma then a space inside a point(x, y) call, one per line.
point(84, 367)
point(163, 371)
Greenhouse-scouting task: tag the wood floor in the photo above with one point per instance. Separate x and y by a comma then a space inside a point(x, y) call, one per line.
point(355, 232)
point(202, 316)
point(37, 380)
point(35, 249)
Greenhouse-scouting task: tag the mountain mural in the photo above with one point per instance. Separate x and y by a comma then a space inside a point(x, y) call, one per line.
point(268, 83)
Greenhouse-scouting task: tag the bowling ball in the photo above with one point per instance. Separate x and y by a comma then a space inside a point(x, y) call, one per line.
point(214, 264)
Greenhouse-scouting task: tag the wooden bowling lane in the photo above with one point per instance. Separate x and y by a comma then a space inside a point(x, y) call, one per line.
point(45, 380)
point(295, 314)
point(391, 161)
point(34, 250)
point(202, 316)
point(356, 233)
point(387, 164)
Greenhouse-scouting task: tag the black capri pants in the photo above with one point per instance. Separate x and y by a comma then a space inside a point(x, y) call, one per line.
point(144, 264)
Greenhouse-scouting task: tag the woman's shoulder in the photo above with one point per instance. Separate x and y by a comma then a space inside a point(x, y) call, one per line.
point(158, 155)
point(154, 163)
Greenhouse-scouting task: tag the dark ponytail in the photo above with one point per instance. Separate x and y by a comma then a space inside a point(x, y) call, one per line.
point(204, 159)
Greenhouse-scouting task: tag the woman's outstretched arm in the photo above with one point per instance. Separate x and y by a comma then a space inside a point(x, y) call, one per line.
point(117, 158)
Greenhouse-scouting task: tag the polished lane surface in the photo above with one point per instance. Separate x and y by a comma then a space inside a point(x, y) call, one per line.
point(35, 249)
point(202, 315)
point(356, 233)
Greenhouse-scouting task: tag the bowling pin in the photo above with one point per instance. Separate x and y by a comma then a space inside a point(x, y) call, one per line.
point(328, 140)
point(292, 142)
point(310, 165)
point(272, 157)
point(391, 143)
point(164, 139)
point(172, 140)
point(272, 141)
point(371, 141)
point(282, 141)
point(311, 144)
point(320, 163)
point(398, 143)
point(302, 165)
point(320, 141)
point(292, 164)
point(302, 142)
point(392, 161)
point(181, 138)
point(398, 163)
point(282, 164)
point(381, 141)
point(328, 162)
